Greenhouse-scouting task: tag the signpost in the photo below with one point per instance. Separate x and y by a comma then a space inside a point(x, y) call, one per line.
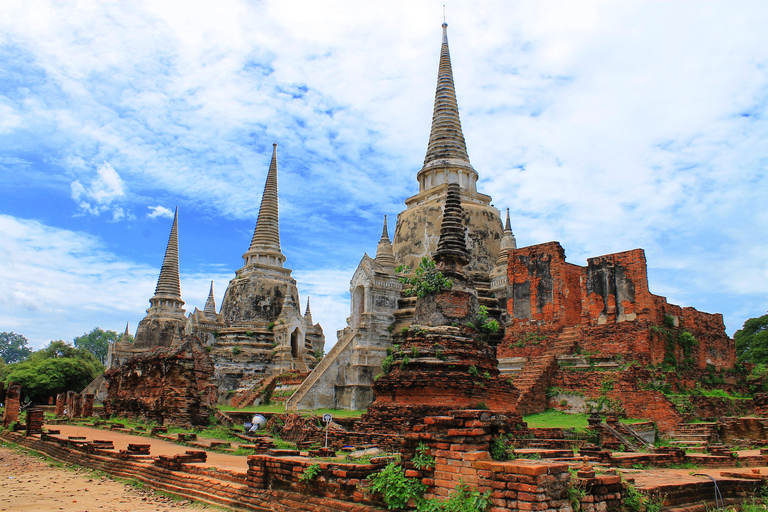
point(327, 418)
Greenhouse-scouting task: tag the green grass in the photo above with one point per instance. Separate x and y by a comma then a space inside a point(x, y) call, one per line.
point(559, 419)
point(556, 419)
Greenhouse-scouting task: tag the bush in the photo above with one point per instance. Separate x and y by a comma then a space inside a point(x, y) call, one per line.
point(426, 279)
point(396, 489)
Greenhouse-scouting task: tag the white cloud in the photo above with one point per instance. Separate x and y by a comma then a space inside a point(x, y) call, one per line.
point(58, 284)
point(97, 198)
point(159, 211)
point(605, 125)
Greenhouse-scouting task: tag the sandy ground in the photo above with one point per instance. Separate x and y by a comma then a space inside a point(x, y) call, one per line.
point(28, 483)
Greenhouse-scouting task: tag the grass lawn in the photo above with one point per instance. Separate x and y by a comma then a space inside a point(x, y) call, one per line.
point(559, 419)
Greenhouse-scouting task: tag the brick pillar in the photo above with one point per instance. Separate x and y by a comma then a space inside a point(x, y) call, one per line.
point(88, 405)
point(77, 402)
point(257, 471)
point(12, 403)
point(61, 404)
point(70, 404)
point(35, 420)
point(456, 441)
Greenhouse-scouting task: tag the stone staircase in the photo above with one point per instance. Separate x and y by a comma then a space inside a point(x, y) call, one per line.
point(532, 381)
point(323, 377)
point(694, 437)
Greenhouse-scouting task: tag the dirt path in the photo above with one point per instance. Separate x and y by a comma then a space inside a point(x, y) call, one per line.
point(28, 483)
point(157, 446)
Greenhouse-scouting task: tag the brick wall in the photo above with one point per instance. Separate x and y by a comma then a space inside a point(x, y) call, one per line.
point(611, 301)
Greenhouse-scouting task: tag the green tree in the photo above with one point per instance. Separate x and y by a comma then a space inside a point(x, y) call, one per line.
point(97, 342)
point(752, 340)
point(13, 347)
point(57, 368)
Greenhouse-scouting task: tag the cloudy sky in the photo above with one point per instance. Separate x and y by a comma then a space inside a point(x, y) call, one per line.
point(604, 125)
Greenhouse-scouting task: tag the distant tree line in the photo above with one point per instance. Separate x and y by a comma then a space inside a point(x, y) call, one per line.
point(56, 368)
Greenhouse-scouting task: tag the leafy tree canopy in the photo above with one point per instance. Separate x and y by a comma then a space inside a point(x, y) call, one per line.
point(97, 342)
point(13, 347)
point(57, 368)
point(752, 340)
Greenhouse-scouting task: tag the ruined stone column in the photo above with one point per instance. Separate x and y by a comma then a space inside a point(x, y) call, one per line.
point(88, 405)
point(12, 402)
point(77, 403)
point(35, 420)
point(61, 404)
point(70, 404)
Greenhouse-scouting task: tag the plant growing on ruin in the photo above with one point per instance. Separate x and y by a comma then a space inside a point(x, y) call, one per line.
point(415, 351)
point(473, 371)
point(465, 499)
point(236, 351)
point(500, 449)
point(397, 489)
point(426, 279)
point(390, 328)
point(486, 375)
point(271, 326)
point(439, 354)
point(386, 363)
point(310, 473)
point(422, 459)
point(404, 362)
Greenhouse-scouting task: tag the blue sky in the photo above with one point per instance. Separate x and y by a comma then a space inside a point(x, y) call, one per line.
point(604, 125)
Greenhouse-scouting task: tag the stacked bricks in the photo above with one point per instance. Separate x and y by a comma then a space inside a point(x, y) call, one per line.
point(61, 404)
point(87, 407)
point(72, 397)
point(12, 404)
point(340, 481)
point(526, 485)
point(35, 420)
point(457, 441)
point(610, 299)
point(436, 370)
point(621, 386)
point(164, 385)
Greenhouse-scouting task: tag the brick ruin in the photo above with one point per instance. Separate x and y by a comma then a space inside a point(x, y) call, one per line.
point(562, 318)
point(12, 403)
point(166, 385)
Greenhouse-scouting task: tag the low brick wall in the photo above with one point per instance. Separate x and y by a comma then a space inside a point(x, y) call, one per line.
point(334, 480)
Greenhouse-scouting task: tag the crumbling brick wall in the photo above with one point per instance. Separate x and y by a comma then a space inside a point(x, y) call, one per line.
point(620, 390)
point(165, 385)
point(611, 301)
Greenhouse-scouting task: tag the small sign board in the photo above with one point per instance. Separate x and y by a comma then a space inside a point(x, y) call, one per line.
point(327, 418)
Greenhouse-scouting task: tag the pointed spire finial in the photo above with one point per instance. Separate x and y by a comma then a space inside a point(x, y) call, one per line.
point(267, 232)
point(384, 254)
point(447, 149)
point(168, 282)
point(210, 304)
point(265, 244)
point(308, 314)
point(508, 243)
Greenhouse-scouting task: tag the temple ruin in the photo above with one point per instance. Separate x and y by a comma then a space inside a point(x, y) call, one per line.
point(258, 333)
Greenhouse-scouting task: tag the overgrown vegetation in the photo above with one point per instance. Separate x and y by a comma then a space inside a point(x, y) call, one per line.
point(674, 338)
point(422, 459)
point(426, 279)
point(310, 473)
point(398, 491)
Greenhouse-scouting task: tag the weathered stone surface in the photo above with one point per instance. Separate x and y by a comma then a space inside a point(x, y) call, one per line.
point(12, 403)
point(435, 370)
point(165, 385)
